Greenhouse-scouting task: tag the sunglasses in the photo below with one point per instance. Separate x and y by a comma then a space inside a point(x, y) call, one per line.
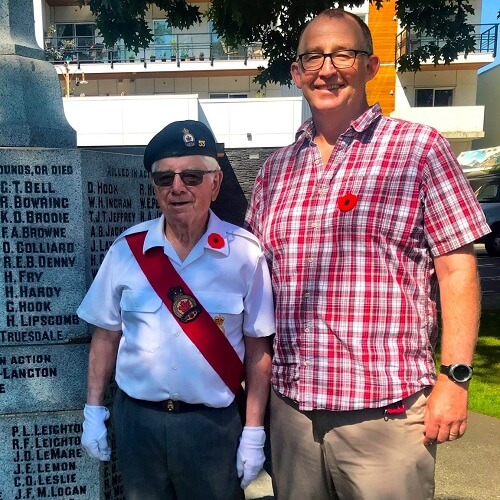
point(188, 177)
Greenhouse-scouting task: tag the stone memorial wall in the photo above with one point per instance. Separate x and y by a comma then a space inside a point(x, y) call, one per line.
point(60, 210)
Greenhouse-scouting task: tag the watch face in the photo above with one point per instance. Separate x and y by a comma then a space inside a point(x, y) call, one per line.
point(461, 373)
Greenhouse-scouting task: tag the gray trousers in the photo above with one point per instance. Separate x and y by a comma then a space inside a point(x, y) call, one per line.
point(177, 456)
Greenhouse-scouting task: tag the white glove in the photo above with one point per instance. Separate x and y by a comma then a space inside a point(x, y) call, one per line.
point(250, 456)
point(94, 437)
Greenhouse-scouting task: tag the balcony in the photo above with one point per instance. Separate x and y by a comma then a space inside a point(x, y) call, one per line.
point(179, 49)
point(485, 37)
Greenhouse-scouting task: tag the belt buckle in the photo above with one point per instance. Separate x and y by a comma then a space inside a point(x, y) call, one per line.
point(170, 405)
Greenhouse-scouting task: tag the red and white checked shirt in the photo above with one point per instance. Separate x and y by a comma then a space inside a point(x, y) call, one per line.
point(355, 289)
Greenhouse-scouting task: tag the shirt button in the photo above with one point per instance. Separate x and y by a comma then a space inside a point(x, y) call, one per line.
point(307, 363)
point(311, 259)
point(175, 367)
point(175, 395)
point(177, 333)
point(314, 224)
point(307, 331)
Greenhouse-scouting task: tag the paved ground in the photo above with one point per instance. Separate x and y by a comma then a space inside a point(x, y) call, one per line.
point(467, 469)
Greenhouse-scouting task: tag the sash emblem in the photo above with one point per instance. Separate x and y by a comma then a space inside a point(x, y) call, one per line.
point(219, 319)
point(184, 306)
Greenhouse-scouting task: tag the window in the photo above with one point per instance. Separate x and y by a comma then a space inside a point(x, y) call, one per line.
point(163, 39)
point(222, 95)
point(433, 97)
point(83, 34)
point(214, 36)
point(489, 192)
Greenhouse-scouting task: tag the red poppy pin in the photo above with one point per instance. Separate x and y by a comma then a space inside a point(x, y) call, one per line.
point(347, 202)
point(215, 240)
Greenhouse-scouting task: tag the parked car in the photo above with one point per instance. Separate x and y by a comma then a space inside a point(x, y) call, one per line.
point(487, 189)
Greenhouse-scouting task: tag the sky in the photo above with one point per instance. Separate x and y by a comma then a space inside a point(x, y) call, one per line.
point(489, 11)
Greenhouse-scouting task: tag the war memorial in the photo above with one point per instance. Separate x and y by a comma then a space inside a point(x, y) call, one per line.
point(60, 210)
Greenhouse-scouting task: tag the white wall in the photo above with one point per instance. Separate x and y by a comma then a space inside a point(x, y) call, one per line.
point(269, 122)
point(125, 120)
point(460, 122)
point(133, 120)
point(463, 83)
point(488, 94)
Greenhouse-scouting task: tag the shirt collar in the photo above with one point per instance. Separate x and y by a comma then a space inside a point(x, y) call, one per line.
point(307, 130)
point(156, 236)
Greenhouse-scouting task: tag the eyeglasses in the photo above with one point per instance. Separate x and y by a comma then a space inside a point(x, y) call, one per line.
point(188, 177)
point(341, 59)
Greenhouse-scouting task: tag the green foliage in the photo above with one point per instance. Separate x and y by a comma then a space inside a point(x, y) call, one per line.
point(485, 386)
point(125, 19)
point(484, 391)
point(277, 24)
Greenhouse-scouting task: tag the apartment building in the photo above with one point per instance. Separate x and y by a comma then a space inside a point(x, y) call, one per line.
point(117, 98)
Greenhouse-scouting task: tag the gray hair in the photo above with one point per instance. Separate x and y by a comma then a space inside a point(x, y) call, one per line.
point(340, 13)
point(208, 161)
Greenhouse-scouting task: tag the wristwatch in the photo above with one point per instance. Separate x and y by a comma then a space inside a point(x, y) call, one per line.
point(458, 372)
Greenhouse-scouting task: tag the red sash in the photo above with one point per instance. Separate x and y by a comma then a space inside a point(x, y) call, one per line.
point(195, 321)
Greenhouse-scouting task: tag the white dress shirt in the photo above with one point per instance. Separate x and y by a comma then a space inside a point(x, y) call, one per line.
point(156, 360)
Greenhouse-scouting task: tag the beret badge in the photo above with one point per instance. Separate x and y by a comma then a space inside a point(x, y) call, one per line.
point(188, 138)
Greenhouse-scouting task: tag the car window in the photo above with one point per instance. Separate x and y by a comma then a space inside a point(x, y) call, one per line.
point(489, 192)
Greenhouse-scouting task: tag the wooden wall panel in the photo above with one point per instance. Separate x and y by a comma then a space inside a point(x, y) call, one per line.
point(384, 27)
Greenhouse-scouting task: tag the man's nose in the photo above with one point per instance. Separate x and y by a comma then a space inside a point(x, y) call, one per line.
point(177, 184)
point(328, 66)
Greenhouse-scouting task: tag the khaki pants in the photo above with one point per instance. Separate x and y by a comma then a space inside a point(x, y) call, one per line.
point(351, 455)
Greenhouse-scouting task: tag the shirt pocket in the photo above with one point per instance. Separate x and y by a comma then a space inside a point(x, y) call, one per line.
point(225, 308)
point(141, 319)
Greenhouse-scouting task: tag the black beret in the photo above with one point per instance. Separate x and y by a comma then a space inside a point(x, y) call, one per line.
point(182, 138)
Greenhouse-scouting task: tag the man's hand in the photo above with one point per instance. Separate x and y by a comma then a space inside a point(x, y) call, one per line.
point(250, 457)
point(94, 437)
point(445, 416)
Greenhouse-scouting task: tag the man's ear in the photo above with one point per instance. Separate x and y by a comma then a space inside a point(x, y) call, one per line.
point(372, 67)
point(217, 181)
point(296, 74)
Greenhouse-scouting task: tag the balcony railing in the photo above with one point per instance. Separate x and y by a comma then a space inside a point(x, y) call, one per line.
point(484, 41)
point(179, 48)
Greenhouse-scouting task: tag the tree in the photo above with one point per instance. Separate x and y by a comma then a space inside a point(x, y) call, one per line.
point(277, 24)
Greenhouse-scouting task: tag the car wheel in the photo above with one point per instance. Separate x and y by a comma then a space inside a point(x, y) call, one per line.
point(492, 243)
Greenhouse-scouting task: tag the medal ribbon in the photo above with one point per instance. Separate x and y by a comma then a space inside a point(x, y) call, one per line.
point(202, 331)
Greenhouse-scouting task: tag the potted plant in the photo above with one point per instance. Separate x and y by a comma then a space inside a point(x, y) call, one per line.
point(202, 56)
point(184, 55)
point(164, 57)
point(191, 51)
point(67, 48)
point(152, 57)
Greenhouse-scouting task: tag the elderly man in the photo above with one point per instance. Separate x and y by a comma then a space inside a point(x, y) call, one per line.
point(179, 303)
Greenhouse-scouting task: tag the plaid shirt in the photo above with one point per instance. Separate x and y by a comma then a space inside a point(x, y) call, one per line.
point(350, 245)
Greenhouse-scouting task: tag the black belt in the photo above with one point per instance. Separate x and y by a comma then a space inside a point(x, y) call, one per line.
point(169, 405)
